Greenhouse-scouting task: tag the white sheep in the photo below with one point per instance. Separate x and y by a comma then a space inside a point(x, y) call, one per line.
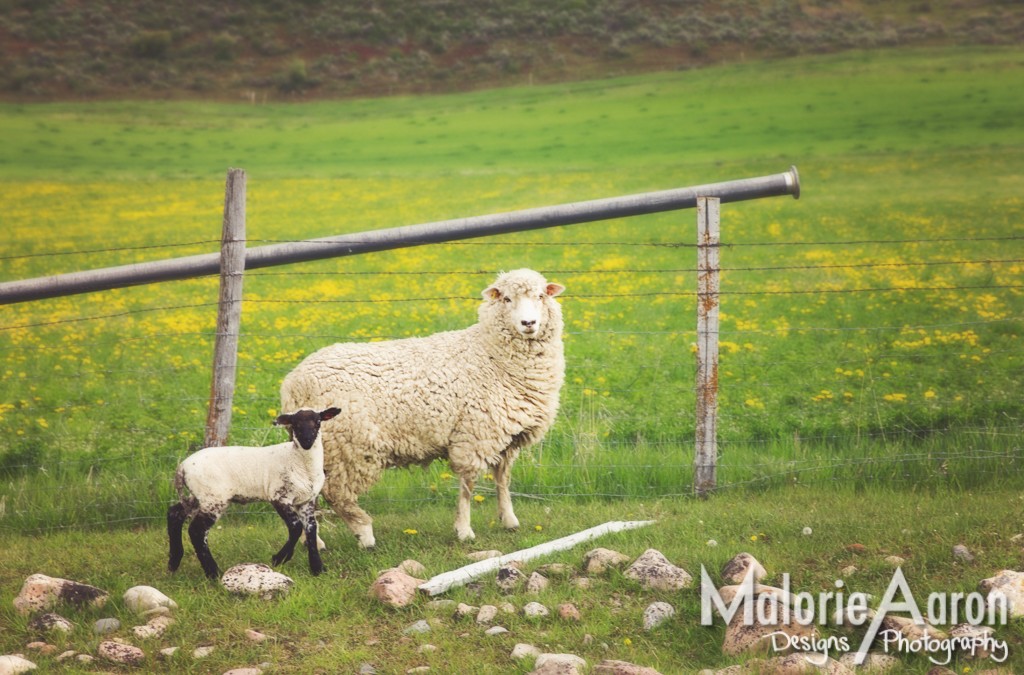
point(289, 475)
point(475, 396)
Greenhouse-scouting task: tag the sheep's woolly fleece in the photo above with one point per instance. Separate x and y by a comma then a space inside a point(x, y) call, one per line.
point(476, 396)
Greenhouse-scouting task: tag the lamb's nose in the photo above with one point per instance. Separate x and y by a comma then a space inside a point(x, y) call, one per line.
point(528, 323)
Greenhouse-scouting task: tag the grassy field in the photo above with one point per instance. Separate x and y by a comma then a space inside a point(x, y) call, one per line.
point(870, 341)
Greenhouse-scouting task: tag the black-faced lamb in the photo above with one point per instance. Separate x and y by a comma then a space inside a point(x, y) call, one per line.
point(289, 475)
point(475, 396)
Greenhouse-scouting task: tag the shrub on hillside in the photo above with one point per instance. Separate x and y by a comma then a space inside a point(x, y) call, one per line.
point(151, 44)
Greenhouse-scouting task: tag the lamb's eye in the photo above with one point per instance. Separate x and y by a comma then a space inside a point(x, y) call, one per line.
point(507, 299)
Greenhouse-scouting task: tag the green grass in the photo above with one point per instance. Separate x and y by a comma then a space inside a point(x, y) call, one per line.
point(326, 623)
point(870, 332)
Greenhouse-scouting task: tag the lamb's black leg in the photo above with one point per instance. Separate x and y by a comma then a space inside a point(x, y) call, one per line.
point(197, 531)
point(176, 517)
point(294, 523)
point(308, 511)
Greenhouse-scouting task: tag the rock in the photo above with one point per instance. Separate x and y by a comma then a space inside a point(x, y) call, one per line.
point(442, 605)
point(427, 649)
point(655, 572)
point(759, 638)
point(524, 651)
point(583, 583)
point(559, 663)
point(895, 560)
point(801, 664)
point(873, 662)
point(412, 567)
point(155, 627)
point(367, 669)
point(611, 667)
point(848, 571)
point(962, 554)
point(40, 593)
point(255, 636)
point(49, 622)
point(463, 610)
point(243, 671)
point(535, 610)
point(121, 653)
point(41, 647)
point(13, 664)
point(977, 636)
point(395, 588)
point(569, 612)
point(557, 571)
point(104, 626)
point(64, 656)
point(85, 658)
point(418, 669)
point(909, 629)
point(417, 628)
point(143, 599)
point(508, 608)
point(168, 652)
point(477, 556)
point(486, 614)
point(256, 579)
point(203, 652)
point(600, 560)
point(657, 613)
point(536, 583)
point(509, 579)
point(496, 630)
point(1006, 586)
point(856, 549)
point(736, 570)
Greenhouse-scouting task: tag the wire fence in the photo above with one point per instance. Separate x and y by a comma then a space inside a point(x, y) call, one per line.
point(899, 362)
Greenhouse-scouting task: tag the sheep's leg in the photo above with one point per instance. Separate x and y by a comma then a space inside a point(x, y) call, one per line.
point(308, 515)
point(294, 524)
point(176, 516)
point(197, 531)
point(502, 478)
point(358, 521)
point(462, 522)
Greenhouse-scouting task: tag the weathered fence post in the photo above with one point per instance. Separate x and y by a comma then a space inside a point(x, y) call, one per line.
point(229, 312)
point(706, 455)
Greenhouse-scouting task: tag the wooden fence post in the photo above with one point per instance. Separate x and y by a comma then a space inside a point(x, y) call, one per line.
point(706, 455)
point(229, 312)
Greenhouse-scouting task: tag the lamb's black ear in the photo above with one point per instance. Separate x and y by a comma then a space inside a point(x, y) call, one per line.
point(283, 420)
point(329, 414)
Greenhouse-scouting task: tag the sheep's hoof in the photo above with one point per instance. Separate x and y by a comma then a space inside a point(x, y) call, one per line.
point(366, 541)
point(510, 523)
point(468, 535)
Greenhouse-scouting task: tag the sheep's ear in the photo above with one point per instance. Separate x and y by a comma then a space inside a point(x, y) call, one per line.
point(492, 293)
point(329, 414)
point(554, 289)
point(283, 420)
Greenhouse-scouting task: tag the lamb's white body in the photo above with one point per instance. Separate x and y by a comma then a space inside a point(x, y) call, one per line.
point(289, 475)
point(283, 472)
point(475, 396)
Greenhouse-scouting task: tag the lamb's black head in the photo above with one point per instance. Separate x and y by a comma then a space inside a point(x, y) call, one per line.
point(305, 424)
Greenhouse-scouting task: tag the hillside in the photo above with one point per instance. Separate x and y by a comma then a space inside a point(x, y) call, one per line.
point(273, 49)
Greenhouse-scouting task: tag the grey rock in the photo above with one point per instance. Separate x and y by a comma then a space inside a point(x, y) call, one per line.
point(536, 583)
point(486, 614)
point(104, 626)
point(418, 627)
point(524, 651)
point(535, 610)
point(962, 554)
point(736, 570)
point(653, 570)
point(50, 622)
point(1008, 587)
point(496, 630)
point(395, 587)
point(256, 579)
point(600, 560)
point(657, 613)
point(509, 579)
point(118, 652)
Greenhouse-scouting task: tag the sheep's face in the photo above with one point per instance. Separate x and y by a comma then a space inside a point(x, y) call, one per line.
point(524, 303)
point(305, 424)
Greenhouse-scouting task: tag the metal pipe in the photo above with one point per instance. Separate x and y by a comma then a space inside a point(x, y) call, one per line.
point(786, 183)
